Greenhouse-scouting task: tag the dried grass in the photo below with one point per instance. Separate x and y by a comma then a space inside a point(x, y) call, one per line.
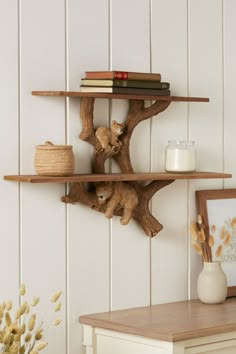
point(57, 322)
point(219, 251)
point(194, 231)
point(55, 296)
point(227, 238)
point(22, 290)
point(201, 236)
point(57, 307)
point(8, 305)
point(222, 233)
point(31, 322)
point(233, 222)
point(13, 336)
point(206, 243)
point(197, 248)
point(40, 345)
point(35, 301)
point(213, 229)
point(200, 243)
point(211, 241)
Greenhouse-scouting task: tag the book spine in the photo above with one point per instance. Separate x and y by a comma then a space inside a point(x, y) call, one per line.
point(144, 76)
point(141, 91)
point(99, 75)
point(126, 90)
point(121, 75)
point(118, 75)
point(141, 84)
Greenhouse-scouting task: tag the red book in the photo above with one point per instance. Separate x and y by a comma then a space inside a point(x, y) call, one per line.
point(122, 75)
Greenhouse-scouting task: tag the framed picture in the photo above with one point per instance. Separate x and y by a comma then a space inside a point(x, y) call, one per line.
point(218, 211)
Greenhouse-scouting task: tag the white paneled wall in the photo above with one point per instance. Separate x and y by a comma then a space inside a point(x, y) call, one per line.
point(169, 252)
point(206, 125)
point(130, 48)
point(98, 264)
point(88, 233)
point(229, 75)
point(9, 154)
point(42, 218)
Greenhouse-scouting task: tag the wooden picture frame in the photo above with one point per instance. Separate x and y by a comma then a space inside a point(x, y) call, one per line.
point(217, 208)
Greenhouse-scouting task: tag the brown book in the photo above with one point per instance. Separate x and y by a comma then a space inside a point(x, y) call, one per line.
point(126, 90)
point(122, 75)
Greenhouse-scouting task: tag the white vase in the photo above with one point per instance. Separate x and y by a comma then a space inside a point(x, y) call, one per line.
point(212, 283)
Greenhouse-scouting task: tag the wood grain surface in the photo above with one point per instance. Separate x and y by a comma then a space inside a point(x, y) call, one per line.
point(171, 322)
point(118, 96)
point(115, 177)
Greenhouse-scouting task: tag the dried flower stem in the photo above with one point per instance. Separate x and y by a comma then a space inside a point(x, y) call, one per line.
point(199, 237)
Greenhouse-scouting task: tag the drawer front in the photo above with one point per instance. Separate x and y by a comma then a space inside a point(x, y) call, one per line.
point(231, 350)
point(224, 347)
point(109, 345)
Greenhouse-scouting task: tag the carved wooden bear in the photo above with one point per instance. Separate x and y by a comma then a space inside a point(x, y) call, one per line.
point(117, 194)
point(108, 137)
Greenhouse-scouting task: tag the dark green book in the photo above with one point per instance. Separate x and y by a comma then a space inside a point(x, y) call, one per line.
point(126, 83)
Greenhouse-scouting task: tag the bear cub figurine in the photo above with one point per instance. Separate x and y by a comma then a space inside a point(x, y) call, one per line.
point(117, 194)
point(109, 137)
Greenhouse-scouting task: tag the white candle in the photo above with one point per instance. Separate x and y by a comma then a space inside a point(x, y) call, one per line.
point(180, 156)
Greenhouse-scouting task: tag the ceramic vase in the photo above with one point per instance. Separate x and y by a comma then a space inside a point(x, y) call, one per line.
point(212, 283)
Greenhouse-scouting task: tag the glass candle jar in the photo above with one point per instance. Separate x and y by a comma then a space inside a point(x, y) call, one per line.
point(180, 156)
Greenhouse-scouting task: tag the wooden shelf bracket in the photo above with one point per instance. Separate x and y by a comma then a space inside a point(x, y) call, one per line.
point(78, 193)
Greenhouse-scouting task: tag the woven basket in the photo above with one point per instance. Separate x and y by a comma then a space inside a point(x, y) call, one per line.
point(54, 160)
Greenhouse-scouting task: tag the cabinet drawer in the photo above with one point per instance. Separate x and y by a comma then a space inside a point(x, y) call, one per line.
point(109, 345)
point(231, 350)
point(224, 347)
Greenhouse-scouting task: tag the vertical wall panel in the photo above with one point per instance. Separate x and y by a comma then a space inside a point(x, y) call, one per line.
point(206, 121)
point(229, 90)
point(100, 264)
point(130, 51)
point(9, 203)
point(42, 66)
point(169, 57)
point(88, 231)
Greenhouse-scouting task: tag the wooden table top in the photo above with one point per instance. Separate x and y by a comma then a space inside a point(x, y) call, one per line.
point(170, 322)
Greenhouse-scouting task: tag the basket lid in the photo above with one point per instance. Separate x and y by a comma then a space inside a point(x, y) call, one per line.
point(48, 145)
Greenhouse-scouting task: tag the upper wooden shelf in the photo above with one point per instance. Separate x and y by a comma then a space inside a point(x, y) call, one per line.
point(118, 96)
point(116, 177)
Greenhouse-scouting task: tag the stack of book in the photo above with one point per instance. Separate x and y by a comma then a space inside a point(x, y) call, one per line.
point(123, 82)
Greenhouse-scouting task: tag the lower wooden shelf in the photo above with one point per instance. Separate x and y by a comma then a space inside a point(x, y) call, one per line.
point(116, 177)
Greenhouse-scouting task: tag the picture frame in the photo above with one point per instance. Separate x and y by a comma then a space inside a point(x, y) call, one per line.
point(217, 208)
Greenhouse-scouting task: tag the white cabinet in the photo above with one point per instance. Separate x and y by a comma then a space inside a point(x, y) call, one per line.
point(185, 327)
point(103, 341)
